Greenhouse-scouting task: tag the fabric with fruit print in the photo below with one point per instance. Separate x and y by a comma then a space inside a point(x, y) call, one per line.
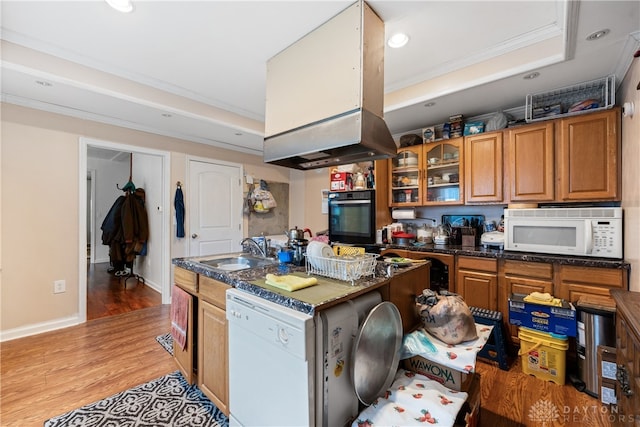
point(414, 400)
point(461, 357)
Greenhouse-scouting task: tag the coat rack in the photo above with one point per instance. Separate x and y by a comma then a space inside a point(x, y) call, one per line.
point(128, 272)
point(129, 186)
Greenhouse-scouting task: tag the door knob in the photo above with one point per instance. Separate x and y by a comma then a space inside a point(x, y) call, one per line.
point(194, 235)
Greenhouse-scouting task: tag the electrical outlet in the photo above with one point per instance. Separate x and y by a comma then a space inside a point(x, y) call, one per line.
point(59, 286)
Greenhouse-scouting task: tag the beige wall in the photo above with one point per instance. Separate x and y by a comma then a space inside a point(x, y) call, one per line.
point(314, 182)
point(39, 224)
point(39, 187)
point(631, 172)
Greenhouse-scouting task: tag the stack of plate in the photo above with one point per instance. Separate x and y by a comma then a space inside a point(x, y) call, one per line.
point(317, 250)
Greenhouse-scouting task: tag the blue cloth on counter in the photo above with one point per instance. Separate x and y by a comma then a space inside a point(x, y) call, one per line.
point(179, 205)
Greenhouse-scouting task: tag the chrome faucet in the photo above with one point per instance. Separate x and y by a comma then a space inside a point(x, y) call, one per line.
point(262, 250)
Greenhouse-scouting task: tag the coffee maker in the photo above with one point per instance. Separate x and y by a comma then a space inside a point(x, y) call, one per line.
point(298, 244)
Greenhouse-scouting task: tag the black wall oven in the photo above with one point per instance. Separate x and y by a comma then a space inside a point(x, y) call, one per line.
point(352, 217)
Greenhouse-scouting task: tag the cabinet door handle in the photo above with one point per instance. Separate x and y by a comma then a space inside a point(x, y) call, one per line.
point(622, 376)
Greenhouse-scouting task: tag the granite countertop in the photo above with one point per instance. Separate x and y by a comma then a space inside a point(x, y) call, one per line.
point(479, 251)
point(328, 292)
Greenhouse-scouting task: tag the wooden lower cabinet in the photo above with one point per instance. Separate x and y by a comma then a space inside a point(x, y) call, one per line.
point(213, 338)
point(204, 361)
point(447, 260)
point(522, 277)
point(186, 358)
point(213, 378)
point(477, 281)
point(628, 356)
point(574, 282)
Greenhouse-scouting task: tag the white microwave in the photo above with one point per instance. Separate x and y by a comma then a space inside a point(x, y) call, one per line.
point(592, 232)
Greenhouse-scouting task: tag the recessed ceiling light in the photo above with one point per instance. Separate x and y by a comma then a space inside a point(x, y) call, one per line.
point(43, 83)
point(598, 34)
point(531, 76)
point(398, 40)
point(430, 104)
point(124, 6)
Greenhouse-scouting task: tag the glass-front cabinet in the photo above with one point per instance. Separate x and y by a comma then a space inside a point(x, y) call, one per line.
point(407, 177)
point(444, 180)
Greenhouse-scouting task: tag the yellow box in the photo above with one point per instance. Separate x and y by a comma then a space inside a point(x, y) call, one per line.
point(543, 354)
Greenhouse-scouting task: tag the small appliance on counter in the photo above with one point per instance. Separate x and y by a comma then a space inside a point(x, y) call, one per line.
point(441, 236)
point(299, 248)
point(582, 231)
point(468, 226)
point(492, 239)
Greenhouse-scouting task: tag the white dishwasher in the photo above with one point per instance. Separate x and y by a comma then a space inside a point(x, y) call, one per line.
point(271, 363)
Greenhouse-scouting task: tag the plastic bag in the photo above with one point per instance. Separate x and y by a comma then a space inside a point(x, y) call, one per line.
point(262, 199)
point(446, 317)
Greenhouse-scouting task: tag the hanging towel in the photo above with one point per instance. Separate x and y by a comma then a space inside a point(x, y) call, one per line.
point(179, 315)
point(179, 205)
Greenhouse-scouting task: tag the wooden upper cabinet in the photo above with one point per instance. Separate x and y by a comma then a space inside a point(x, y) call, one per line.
point(381, 177)
point(483, 167)
point(530, 156)
point(589, 149)
point(444, 172)
point(406, 177)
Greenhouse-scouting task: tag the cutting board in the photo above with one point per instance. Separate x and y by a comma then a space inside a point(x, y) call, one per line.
point(326, 290)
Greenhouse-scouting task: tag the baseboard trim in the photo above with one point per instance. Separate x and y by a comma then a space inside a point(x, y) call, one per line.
point(153, 286)
point(38, 328)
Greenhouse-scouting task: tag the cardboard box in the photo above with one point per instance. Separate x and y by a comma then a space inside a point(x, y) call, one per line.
point(544, 318)
point(469, 414)
point(429, 134)
point(450, 378)
point(339, 181)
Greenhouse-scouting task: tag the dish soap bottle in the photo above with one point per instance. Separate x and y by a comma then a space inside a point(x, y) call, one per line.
point(360, 185)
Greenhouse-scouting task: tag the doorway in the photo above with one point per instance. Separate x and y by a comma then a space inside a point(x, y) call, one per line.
point(148, 169)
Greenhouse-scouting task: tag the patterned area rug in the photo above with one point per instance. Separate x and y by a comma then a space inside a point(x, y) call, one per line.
point(166, 341)
point(164, 402)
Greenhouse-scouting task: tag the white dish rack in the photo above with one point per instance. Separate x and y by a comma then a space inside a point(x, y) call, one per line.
point(347, 268)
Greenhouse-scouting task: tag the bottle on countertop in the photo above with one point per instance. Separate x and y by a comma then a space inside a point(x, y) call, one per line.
point(370, 179)
point(360, 184)
point(348, 185)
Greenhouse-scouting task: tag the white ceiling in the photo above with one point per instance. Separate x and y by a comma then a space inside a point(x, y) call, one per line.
point(197, 70)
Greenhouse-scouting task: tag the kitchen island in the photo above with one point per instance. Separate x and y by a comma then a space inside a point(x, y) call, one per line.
point(204, 361)
point(309, 300)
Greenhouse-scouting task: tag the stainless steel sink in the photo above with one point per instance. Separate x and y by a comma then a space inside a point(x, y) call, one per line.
point(239, 262)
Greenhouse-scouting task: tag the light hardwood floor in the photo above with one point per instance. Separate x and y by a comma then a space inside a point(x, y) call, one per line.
point(52, 373)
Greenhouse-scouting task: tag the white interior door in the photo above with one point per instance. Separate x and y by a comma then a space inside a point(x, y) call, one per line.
point(214, 208)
